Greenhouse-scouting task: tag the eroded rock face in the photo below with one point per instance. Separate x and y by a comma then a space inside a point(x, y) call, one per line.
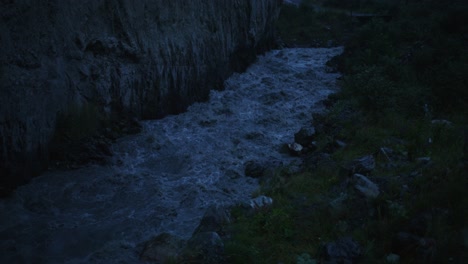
point(143, 58)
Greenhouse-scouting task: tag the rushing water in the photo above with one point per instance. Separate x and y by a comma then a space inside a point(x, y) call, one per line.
point(163, 179)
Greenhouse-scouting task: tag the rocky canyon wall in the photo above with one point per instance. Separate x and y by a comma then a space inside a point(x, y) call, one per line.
point(147, 58)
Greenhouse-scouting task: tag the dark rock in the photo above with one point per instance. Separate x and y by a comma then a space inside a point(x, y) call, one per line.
point(344, 250)
point(205, 247)
point(339, 144)
point(441, 122)
point(423, 160)
point(216, 216)
point(259, 169)
point(70, 54)
point(254, 136)
point(232, 174)
point(329, 102)
point(305, 135)
point(412, 246)
point(333, 146)
point(317, 159)
point(162, 249)
point(363, 165)
point(420, 223)
point(392, 258)
point(254, 169)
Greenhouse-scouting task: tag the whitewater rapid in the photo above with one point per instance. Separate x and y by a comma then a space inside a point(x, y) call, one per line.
point(164, 178)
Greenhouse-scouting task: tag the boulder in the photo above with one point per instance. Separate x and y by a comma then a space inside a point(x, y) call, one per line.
point(295, 149)
point(365, 186)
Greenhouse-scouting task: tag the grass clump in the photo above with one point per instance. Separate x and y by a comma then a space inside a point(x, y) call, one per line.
point(287, 229)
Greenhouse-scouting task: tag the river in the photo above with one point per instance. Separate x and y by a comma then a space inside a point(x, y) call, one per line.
point(164, 178)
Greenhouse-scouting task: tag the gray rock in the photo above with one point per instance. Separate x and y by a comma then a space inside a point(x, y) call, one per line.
point(344, 250)
point(251, 207)
point(339, 143)
point(423, 160)
point(295, 149)
point(365, 186)
point(261, 202)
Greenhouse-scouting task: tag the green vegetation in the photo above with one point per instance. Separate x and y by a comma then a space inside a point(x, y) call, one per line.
point(419, 58)
point(306, 26)
point(398, 77)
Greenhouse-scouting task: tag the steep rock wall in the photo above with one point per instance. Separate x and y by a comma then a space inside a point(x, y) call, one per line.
point(146, 58)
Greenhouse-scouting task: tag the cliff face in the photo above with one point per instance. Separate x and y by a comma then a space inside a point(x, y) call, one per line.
point(146, 58)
